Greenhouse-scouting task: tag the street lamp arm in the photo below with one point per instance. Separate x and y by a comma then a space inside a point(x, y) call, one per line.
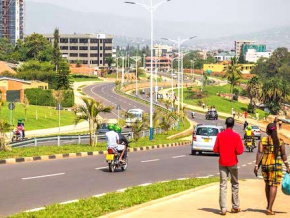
point(171, 40)
point(154, 7)
point(190, 38)
point(143, 5)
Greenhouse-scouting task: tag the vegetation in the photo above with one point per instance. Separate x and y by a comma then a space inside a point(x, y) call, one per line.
point(90, 112)
point(56, 55)
point(95, 207)
point(84, 78)
point(4, 128)
point(233, 73)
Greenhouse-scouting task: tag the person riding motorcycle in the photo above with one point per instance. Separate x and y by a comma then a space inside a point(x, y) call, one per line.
point(249, 135)
point(111, 137)
point(122, 142)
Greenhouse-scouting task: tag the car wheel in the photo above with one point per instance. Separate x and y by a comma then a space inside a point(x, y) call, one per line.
point(200, 152)
point(193, 152)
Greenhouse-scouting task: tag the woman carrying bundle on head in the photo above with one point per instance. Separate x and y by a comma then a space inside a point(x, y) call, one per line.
point(271, 155)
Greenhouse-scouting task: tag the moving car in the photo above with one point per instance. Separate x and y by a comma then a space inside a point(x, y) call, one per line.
point(211, 115)
point(204, 137)
point(257, 132)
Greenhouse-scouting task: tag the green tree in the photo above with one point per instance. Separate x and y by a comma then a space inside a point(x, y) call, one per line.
point(233, 73)
point(63, 76)
point(166, 122)
point(4, 128)
point(253, 89)
point(110, 60)
point(90, 112)
point(6, 49)
point(56, 55)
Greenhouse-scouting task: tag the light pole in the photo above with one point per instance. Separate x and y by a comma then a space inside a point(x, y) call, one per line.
point(136, 59)
point(172, 81)
point(144, 61)
point(117, 59)
point(156, 79)
point(179, 42)
point(182, 78)
point(123, 70)
point(151, 8)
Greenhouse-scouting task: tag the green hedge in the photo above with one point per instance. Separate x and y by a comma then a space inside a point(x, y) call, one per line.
point(45, 97)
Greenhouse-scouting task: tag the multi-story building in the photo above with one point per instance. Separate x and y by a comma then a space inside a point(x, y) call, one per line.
point(239, 46)
point(89, 49)
point(252, 55)
point(162, 63)
point(162, 50)
point(222, 67)
point(12, 20)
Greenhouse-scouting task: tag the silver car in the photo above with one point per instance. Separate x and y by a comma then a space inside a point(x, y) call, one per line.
point(204, 137)
point(257, 132)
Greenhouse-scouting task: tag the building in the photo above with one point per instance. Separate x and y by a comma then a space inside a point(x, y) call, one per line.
point(162, 63)
point(239, 45)
point(162, 50)
point(202, 54)
point(224, 56)
point(257, 48)
point(222, 66)
point(13, 89)
point(89, 49)
point(12, 20)
point(253, 56)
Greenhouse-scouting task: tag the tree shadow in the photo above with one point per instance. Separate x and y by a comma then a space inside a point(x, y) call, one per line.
point(210, 210)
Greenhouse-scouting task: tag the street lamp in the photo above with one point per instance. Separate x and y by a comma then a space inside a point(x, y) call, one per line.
point(123, 70)
point(172, 81)
point(179, 42)
point(136, 59)
point(117, 59)
point(151, 8)
point(182, 78)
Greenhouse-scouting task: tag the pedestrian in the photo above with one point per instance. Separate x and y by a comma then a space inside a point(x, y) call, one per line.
point(228, 145)
point(245, 125)
point(246, 114)
point(203, 105)
point(280, 124)
point(234, 114)
point(239, 114)
point(270, 155)
point(275, 121)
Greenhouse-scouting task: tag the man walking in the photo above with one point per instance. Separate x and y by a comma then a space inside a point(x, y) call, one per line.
point(228, 145)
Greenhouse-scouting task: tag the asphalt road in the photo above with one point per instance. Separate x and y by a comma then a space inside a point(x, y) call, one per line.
point(31, 185)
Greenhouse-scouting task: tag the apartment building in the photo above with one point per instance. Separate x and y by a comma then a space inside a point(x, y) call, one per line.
point(239, 46)
point(161, 63)
point(89, 49)
point(162, 50)
point(12, 20)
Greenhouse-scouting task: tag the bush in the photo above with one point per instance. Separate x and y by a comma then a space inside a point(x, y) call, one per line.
point(251, 108)
point(244, 93)
point(45, 97)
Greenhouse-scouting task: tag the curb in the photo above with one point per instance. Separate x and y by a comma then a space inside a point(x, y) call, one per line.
point(85, 154)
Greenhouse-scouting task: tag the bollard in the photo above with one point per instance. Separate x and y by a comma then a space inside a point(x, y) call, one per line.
point(58, 140)
point(79, 139)
point(35, 142)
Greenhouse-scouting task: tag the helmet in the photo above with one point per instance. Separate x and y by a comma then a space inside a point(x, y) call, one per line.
point(118, 129)
point(249, 128)
point(111, 127)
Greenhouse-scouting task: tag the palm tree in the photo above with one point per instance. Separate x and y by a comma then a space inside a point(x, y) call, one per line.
point(233, 73)
point(4, 128)
point(166, 122)
point(25, 105)
point(253, 89)
point(89, 112)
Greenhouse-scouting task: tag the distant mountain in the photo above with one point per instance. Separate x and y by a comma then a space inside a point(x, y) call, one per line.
point(43, 18)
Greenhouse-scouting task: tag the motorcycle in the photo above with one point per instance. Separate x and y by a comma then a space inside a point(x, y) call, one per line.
point(16, 136)
point(249, 143)
point(193, 115)
point(112, 158)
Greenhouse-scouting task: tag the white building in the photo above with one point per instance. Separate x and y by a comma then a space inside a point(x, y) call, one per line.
point(224, 56)
point(162, 50)
point(253, 56)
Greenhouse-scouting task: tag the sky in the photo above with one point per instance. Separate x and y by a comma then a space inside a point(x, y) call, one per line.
point(266, 13)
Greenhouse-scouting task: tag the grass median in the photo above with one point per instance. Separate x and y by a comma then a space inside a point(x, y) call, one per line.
point(94, 207)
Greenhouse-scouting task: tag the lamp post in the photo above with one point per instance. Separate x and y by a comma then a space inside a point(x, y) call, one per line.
point(172, 81)
point(136, 59)
point(151, 8)
point(123, 70)
point(182, 78)
point(117, 59)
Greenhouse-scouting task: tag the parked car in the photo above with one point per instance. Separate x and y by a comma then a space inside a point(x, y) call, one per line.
point(257, 132)
point(204, 137)
point(211, 115)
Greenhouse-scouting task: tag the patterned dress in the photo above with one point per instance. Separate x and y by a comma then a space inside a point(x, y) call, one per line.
point(271, 167)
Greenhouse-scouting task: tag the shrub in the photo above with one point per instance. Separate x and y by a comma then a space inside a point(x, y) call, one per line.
point(244, 93)
point(251, 108)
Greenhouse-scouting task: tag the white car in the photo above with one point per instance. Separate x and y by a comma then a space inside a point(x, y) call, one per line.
point(257, 132)
point(204, 137)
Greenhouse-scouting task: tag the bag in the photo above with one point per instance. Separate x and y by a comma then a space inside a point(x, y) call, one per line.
point(286, 184)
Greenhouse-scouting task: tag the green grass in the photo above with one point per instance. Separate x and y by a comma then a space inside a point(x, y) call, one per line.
point(47, 116)
point(85, 79)
point(94, 207)
point(221, 104)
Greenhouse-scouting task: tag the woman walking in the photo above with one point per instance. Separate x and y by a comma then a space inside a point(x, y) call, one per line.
point(271, 155)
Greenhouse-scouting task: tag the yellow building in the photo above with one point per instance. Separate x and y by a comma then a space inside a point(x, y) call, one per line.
point(36, 84)
point(222, 66)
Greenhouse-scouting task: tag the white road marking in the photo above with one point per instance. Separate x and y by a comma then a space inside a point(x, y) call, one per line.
point(69, 202)
point(147, 161)
point(35, 210)
point(178, 156)
point(121, 190)
point(181, 179)
point(101, 168)
point(250, 163)
point(202, 177)
point(260, 177)
point(43, 176)
point(99, 195)
point(254, 161)
point(145, 184)
point(239, 167)
point(244, 165)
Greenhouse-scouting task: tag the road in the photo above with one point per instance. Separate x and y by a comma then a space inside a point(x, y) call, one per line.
point(32, 185)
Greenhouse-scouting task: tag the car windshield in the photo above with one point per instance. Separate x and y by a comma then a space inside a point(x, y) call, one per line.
point(207, 131)
point(104, 126)
point(255, 127)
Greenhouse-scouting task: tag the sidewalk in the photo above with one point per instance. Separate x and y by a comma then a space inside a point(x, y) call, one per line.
point(204, 203)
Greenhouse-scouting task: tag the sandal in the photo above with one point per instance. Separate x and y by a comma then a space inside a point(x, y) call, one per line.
point(269, 212)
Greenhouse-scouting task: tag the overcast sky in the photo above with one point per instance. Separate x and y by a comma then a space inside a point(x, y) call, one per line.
point(265, 12)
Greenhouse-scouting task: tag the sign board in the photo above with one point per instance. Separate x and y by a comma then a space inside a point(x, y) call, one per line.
point(11, 106)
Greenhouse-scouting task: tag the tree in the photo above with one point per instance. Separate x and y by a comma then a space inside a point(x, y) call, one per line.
point(56, 55)
point(63, 76)
point(166, 122)
point(4, 128)
point(78, 63)
point(233, 73)
point(110, 61)
point(90, 112)
point(6, 49)
point(253, 89)
point(25, 105)
point(242, 59)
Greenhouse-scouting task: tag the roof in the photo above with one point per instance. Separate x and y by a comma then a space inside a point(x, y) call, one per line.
point(14, 79)
point(4, 67)
point(83, 69)
point(226, 54)
point(91, 36)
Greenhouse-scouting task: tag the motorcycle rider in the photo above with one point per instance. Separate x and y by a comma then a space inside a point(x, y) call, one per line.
point(122, 143)
point(249, 135)
point(111, 137)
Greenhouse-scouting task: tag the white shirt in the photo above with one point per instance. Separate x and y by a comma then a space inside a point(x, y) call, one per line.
point(112, 138)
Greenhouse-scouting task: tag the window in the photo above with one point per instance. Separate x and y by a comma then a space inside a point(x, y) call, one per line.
point(108, 48)
point(101, 48)
point(73, 54)
point(83, 55)
point(74, 40)
point(63, 40)
point(94, 48)
point(207, 131)
point(101, 55)
point(73, 48)
point(94, 55)
point(63, 47)
point(94, 40)
point(84, 40)
point(83, 48)
point(108, 40)
point(85, 62)
point(94, 62)
point(101, 62)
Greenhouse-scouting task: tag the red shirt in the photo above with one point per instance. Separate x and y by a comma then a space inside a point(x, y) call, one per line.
point(228, 144)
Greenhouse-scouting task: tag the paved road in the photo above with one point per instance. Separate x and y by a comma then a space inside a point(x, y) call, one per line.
point(32, 185)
